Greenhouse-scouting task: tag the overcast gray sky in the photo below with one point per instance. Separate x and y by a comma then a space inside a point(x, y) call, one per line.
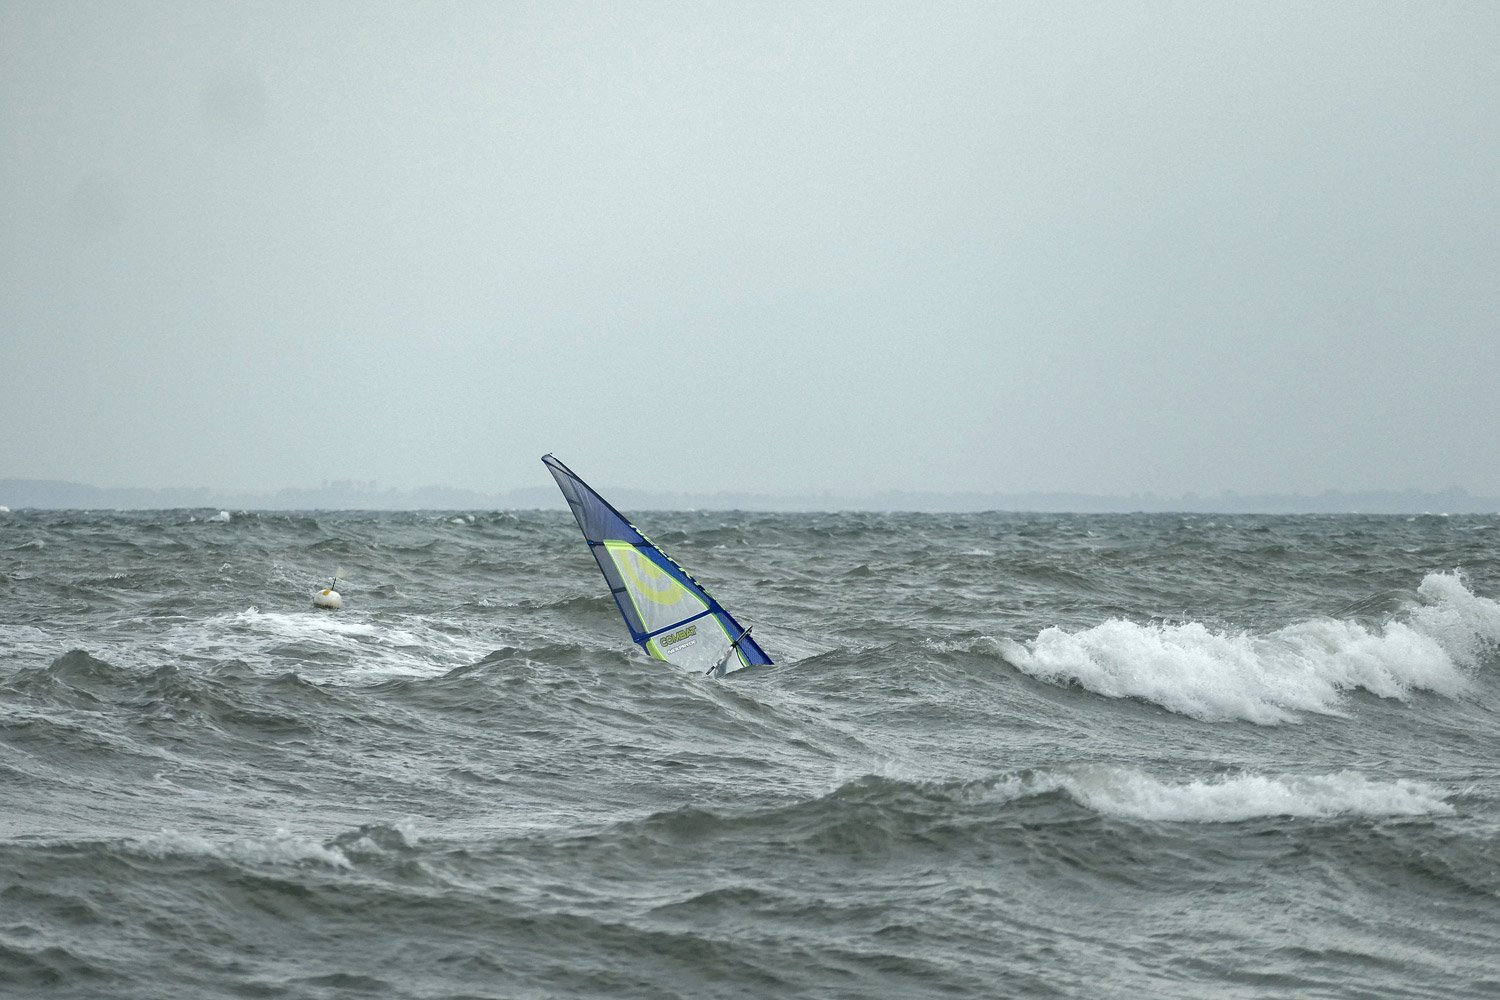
point(1102, 248)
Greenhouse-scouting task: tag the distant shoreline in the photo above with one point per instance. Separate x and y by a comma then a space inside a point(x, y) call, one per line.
point(20, 494)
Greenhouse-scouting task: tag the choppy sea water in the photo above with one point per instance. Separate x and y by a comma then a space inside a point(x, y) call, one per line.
point(999, 755)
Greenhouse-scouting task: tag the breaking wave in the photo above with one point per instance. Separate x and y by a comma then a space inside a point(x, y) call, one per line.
point(1436, 645)
point(1132, 794)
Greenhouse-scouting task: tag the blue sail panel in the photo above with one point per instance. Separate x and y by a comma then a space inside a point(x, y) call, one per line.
point(668, 613)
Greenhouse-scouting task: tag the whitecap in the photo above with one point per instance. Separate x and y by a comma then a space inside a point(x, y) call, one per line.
point(281, 847)
point(1309, 666)
point(327, 648)
point(1132, 794)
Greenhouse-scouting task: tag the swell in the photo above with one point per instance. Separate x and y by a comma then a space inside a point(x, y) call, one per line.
point(215, 897)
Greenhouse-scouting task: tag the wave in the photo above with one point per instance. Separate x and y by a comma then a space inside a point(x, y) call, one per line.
point(1131, 794)
point(279, 848)
point(1436, 645)
point(340, 648)
point(876, 813)
point(75, 678)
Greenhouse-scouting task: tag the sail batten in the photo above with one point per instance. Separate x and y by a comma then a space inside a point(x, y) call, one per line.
point(685, 621)
point(668, 613)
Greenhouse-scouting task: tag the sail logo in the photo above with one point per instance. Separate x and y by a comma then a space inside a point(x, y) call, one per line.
point(679, 636)
point(646, 580)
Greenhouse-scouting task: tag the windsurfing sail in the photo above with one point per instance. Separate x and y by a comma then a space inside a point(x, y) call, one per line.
point(669, 614)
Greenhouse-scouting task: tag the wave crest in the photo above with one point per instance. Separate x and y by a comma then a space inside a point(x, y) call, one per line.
point(1123, 792)
point(1268, 679)
point(279, 848)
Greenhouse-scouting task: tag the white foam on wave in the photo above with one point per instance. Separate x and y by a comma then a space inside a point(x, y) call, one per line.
point(19, 640)
point(1132, 794)
point(280, 848)
point(329, 647)
point(315, 625)
point(320, 646)
point(1268, 679)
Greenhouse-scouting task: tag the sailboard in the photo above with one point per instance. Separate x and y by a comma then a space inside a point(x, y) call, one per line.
point(669, 614)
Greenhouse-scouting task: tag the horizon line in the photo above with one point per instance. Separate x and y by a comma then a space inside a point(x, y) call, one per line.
point(53, 494)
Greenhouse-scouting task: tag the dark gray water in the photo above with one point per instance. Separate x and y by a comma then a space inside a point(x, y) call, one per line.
point(999, 755)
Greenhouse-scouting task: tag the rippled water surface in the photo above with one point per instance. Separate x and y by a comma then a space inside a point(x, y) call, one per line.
point(998, 755)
